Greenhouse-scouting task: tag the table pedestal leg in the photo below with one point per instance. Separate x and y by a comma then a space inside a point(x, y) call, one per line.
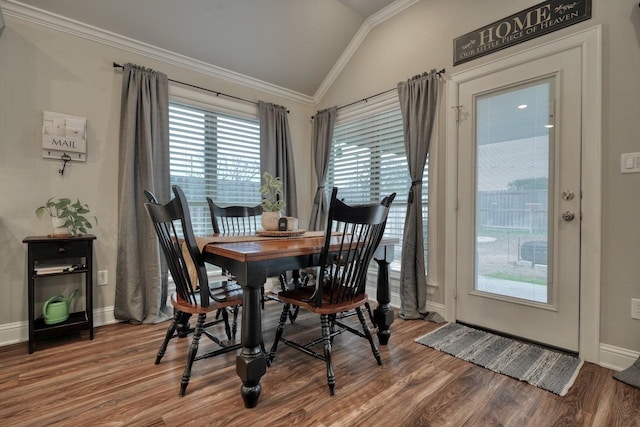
point(383, 314)
point(251, 364)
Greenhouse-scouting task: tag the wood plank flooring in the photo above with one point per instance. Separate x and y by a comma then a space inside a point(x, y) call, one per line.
point(113, 381)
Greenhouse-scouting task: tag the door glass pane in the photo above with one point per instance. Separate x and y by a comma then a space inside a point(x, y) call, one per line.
point(513, 135)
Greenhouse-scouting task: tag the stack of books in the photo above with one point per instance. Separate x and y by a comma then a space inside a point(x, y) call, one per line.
point(59, 269)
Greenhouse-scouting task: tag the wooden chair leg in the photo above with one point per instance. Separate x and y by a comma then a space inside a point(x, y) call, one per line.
point(367, 332)
point(234, 324)
point(167, 337)
point(368, 307)
point(326, 338)
point(193, 350)
point(282, 278)
point(227, 327)
point(183, 324)
point(284, 285)
point(279, 331)
point(293, 314)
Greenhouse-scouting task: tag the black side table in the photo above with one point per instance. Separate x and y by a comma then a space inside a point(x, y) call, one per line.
point(45, 254)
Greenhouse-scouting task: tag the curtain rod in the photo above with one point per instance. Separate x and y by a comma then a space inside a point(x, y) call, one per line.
point(439, 73)
point(116, 65)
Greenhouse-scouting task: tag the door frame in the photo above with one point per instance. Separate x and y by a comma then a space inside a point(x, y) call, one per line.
point(589, 40)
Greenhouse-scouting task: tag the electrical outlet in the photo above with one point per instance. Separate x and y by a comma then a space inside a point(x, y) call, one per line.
point(635, 308)
point(103, 278)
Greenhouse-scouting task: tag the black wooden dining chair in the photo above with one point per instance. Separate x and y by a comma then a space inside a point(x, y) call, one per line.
point(341, 284)
point(183, 328)
point(193, 294)
point(234, 219)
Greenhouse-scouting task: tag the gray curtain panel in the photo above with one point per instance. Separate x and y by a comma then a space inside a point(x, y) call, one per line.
point(323, 123)
point(141, 280)
point(276, 154)
point(418, 102)
point(1, 22)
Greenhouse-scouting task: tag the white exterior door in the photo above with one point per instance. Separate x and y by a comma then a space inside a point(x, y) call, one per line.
point(519, 200)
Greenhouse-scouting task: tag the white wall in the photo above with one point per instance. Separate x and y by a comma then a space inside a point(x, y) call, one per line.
point(421, 38)
point(44, 69)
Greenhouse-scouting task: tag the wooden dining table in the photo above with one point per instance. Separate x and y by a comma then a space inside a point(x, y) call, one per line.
point(251, 260)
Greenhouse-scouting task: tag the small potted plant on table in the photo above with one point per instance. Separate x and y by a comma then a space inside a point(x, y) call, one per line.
point(68, 218)
point(272, 201)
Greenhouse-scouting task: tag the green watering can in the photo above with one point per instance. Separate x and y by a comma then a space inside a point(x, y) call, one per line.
point(56, 308)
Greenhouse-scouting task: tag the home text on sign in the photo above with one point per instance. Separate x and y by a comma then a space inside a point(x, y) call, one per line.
point(528, 24)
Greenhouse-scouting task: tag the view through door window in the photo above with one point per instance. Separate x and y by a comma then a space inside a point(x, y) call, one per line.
point(513, 130)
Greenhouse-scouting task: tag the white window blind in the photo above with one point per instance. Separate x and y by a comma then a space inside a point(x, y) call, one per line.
point(368, 161)
point(213, 154)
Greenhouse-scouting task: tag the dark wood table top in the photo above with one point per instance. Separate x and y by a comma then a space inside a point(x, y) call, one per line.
point(248, 251)
point(272, 248)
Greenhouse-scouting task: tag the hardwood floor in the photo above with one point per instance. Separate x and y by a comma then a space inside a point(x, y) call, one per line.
point(113, 381)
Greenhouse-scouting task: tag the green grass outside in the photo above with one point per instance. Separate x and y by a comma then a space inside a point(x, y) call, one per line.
point(503, 232)
point(517, 278)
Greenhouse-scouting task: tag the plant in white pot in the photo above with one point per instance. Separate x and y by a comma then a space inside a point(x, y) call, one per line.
point(68, 218)
point(272, 201)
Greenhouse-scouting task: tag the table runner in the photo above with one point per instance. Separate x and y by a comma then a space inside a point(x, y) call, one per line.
point(202, 241)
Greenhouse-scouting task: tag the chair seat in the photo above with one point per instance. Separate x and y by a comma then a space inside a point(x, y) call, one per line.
point(302, 298)
point(232, 296)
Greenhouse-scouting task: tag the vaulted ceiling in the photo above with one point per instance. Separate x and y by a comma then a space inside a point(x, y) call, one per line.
point(291, 44)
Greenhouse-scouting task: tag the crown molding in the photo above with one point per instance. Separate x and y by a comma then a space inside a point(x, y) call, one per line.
point(390, 11)
point(56, 22)
point(375, 19)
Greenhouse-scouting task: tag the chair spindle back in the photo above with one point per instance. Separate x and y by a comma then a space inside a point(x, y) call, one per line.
point(352, 237)
point(172, 223)
point(234, 219)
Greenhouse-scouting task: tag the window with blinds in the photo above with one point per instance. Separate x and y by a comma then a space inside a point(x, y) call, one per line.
point(368, 161)
point(213, 154)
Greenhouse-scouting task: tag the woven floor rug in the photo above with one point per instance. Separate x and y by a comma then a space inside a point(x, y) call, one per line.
point(544, 368)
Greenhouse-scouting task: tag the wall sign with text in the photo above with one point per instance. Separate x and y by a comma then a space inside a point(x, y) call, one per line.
point(64, 135)
point(528, 24)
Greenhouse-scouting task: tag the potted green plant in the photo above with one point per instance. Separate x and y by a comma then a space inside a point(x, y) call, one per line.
point(272, 201)
point(68, 218)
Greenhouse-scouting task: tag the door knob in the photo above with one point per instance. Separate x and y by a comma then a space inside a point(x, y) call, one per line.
point(568, 215)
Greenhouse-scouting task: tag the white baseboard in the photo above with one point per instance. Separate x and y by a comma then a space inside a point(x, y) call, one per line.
point(13, 333)
point(104, 316)
point(616, 358)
